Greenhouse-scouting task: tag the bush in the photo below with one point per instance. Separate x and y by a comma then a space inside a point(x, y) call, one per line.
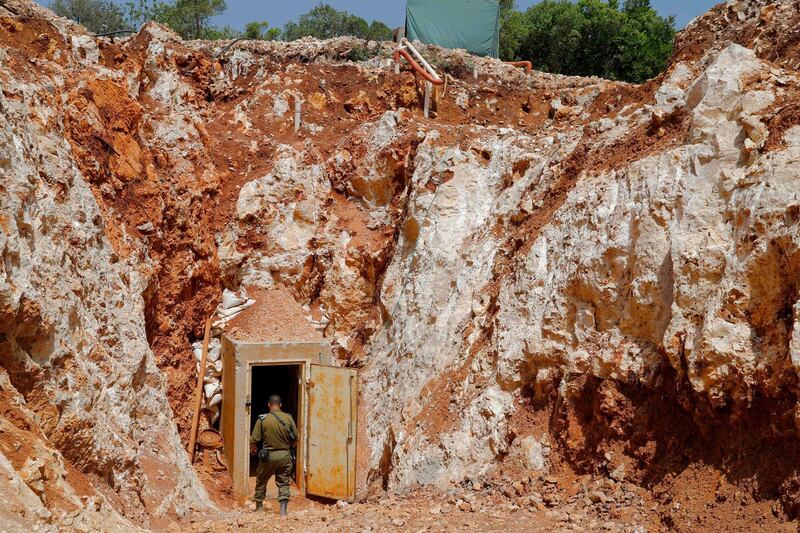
point(590, 37)
point(324, 22)
point(97, 16)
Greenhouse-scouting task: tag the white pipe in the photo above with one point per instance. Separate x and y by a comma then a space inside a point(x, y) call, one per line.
point(428, 87)
point(297, 106)
point(421, 59)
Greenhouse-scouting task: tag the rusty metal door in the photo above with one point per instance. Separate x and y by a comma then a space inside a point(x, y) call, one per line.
point(332, 404)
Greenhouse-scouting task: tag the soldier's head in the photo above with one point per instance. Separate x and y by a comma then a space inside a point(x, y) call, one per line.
point(274, 402)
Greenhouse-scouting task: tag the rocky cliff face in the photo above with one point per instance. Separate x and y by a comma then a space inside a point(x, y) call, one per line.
point(87, 432)
point(550, 274)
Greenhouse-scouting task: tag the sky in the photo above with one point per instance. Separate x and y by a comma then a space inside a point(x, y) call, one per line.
point(392, 12)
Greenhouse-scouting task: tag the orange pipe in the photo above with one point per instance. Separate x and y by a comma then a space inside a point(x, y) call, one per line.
point(527, 65)
point(421, 71)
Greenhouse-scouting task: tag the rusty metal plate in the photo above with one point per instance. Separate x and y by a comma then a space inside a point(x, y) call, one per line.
point(331, 432)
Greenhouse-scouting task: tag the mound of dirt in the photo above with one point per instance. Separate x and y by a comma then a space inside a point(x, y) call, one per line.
point(275, 317)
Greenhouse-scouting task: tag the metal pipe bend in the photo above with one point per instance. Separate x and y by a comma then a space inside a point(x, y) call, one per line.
point(527, 65)
point(416, 66)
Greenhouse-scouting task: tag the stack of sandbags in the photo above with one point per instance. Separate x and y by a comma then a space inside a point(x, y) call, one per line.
point(232, 304)
point(212, 376)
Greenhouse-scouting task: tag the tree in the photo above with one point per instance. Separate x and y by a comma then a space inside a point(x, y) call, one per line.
point(261, 31)
point(554, 29)
point(195, 14)
point(589, 37)
point(512, 30)
point(140, 12)
point(378, 31)
point(95, 15)
point(600, 38)
point(190, 18)
point(324, 22)
point(647, 40)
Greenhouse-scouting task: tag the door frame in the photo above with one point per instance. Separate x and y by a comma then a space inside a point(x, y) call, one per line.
point(300, 465)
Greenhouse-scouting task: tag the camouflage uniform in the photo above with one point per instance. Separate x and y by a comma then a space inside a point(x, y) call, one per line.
point(276, 439)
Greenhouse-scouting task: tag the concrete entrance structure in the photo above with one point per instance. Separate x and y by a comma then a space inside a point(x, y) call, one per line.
point(322, 399)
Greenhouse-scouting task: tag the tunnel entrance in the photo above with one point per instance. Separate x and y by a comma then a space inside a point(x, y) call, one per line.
point(320, 396)
point(285, 381)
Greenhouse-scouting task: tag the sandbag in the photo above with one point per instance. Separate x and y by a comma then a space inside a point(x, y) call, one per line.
point(215, 400)
point(210, 389)
point(227, 313)
point(231, 299)
point(212, 368)
point(213, 354)
point(212, 413)
point(214, 347)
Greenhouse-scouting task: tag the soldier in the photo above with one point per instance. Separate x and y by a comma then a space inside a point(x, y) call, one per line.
point(277, 434)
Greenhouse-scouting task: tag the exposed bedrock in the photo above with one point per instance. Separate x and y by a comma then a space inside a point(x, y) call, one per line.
point(683, 262)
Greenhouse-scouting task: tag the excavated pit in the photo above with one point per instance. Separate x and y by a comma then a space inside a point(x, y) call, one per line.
point(575, 299)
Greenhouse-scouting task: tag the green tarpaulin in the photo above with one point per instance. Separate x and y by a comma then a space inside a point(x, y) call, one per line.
point(470, 24)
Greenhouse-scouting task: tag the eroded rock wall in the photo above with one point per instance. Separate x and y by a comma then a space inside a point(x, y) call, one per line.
point(674, 246)
point(81, 393)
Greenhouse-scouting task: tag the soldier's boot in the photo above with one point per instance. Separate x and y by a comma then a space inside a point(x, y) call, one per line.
point(259, 506)
point(284, 508)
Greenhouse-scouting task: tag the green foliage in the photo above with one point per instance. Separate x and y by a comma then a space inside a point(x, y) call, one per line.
point(189, 18)
point(378, 31)
point(97, 16)
point(224, 33)
point(513, 29)
point(261, 31)
point(553, 36)
point(589, 37)
point(361, 53)
point(139, 12)
point(324, 22)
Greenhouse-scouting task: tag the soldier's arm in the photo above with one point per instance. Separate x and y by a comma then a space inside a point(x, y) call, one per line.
point(255, 437)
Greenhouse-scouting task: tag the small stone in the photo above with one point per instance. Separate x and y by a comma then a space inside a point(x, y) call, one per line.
point(618, 474)
point(597, 496)
point(147, 227)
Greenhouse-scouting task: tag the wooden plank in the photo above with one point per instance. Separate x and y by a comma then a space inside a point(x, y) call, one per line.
point(198, 392)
